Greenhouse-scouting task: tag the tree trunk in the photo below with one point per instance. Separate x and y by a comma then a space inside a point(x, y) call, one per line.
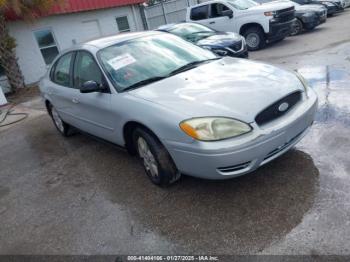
point(8, 59)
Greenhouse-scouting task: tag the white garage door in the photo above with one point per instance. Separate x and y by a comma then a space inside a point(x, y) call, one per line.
point(90, 30)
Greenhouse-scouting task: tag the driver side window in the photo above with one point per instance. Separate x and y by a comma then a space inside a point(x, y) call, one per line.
point(217, 9)
point(86, 69)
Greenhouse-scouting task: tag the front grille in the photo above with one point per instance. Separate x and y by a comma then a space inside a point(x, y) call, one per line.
point(285, 15)
point(272, 112)
point(234, 168)
point(236, 46)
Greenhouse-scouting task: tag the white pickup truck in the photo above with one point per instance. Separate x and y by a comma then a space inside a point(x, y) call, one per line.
point(258, 23)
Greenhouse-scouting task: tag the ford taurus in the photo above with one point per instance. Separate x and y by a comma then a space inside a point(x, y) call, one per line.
point(179, 107)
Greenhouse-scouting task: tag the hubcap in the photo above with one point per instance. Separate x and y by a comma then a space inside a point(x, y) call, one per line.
point(57, 120)
point(149, 160)
point(253, 40)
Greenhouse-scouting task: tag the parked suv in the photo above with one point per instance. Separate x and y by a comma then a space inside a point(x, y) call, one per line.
point(257, 23)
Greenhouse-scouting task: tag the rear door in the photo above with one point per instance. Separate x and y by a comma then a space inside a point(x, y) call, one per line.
point(211, 16)
point(61, 91)
point(92, 109)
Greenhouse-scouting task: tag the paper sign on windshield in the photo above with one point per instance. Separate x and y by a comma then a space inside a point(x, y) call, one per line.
point(121, 61)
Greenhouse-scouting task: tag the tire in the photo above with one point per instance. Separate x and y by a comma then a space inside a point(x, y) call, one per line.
point(158, 164)
point(297, 28)
point(255, 38)
point(60, 125)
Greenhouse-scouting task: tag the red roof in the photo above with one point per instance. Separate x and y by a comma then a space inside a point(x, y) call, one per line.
point(73, 6)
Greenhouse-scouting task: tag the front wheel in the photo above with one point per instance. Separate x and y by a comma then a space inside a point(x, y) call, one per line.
point(156, 160)
point(255, 38)
point(297, 28)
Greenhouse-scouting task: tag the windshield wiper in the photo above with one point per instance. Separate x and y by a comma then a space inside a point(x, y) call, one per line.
point(144, 82)
point(190, 66)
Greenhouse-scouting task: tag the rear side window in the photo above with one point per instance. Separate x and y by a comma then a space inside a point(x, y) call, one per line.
point(61, 72)
point(216, 10)
point(199, 13)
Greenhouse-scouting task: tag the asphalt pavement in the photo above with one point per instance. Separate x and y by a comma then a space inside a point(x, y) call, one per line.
point(81, 196)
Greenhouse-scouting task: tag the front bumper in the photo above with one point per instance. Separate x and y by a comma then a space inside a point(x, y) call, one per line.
point(238, 156)
point(241, 53)
point(280, 30)
point(310, 22)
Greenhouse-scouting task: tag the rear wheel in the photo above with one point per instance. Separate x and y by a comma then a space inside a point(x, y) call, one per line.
point(297, 28)
point(156, 160)
point(255, 38)
point(61, 126)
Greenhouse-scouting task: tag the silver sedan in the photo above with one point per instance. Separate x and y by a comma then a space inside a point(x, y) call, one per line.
point(179, 107)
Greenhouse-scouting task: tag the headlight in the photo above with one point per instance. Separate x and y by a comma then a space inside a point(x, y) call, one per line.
point(214, 128)
point(270, 13)
point(303, 82)
point(308, 14)
point(219, 52)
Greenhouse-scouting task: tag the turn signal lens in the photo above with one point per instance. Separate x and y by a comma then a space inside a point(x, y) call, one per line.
point(269, 13)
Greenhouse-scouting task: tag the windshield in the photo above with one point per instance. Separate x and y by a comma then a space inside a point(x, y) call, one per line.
point(191, 32)
point(151, 57)
point(242, 4)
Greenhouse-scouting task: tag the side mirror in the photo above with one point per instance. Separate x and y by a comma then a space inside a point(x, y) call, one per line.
point(228, 13)
point(91, 86)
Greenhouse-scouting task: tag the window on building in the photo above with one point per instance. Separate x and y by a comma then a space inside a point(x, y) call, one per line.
point(61, 73)
point(2, 71)
point(123, 24)
point(47, 45)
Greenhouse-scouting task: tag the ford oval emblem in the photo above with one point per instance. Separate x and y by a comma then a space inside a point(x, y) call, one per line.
point(283, 107)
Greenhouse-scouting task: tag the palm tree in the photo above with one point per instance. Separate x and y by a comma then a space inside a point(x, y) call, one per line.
point(28, 10)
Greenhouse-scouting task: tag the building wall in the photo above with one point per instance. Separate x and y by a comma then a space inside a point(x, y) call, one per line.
point(67, 30)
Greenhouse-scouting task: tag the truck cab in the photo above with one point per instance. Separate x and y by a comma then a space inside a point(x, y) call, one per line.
point(258, 23)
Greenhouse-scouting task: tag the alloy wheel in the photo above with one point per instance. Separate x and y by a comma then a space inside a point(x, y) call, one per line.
point(149, 160)
point(253, 40)
point(57, 120)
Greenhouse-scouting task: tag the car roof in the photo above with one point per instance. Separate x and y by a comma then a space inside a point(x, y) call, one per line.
point(103, 42)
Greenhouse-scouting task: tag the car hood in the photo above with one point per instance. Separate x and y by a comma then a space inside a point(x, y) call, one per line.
point(310, 8)
point(271, 6)
point(228, 87)
point(220, 39)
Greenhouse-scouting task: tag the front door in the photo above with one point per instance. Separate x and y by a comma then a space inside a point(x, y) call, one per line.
point(218, 21)
point(93, 109)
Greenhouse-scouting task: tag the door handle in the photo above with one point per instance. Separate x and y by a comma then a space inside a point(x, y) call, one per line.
point(212, 23)
point(75, 101)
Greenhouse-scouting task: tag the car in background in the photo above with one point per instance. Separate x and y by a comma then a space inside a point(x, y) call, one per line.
point(308, 16)
point(180, 108)
point(221, 43)
point(333, 6)
point(259, 24)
